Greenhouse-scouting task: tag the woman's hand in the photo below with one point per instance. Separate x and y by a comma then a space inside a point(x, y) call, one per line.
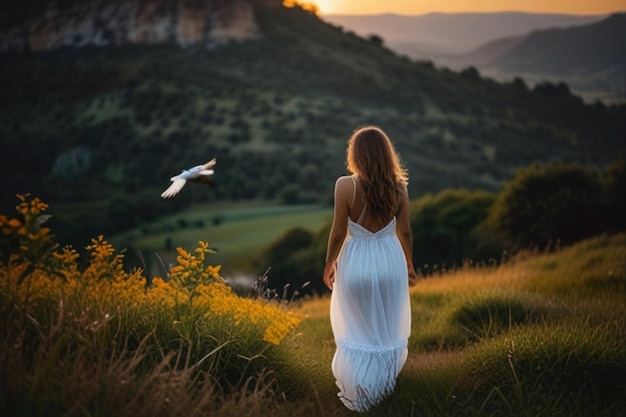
point(412, 279)
point(329, 277)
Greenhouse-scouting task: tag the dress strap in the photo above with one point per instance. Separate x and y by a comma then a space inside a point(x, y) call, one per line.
point(353, 190)
point(362, 214)
point(353, 197)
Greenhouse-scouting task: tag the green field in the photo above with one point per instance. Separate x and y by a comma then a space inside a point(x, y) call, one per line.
point(540, 334)
point(237, 232)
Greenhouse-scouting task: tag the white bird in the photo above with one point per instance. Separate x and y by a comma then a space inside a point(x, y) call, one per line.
point(199, 173)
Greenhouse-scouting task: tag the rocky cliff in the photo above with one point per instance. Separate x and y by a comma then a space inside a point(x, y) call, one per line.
point(47, 25)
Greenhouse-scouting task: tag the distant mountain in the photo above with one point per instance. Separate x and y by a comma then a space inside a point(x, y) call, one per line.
point(586, 52)
point(441, 33)
point(590, 58)
point(102, 102)
point(579, 50)
point(486, 55)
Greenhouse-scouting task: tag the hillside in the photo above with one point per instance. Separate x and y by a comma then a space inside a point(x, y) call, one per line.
point(97, 123)
point(440, 34)
point(589, 57)
point(487, 54)
point(583, 49)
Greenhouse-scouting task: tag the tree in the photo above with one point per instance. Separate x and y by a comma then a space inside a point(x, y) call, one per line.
point(290, 195)
point(376, 40)
point(294, 239)
point(309, 7)
point(614, 183)
point(547, 203)
point(471, 73)
point(441, 225)
point(519, 84)
point(120, 215)
point(547, 88)
point(288, 259)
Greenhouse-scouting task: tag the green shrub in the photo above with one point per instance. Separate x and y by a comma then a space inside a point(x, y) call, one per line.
point(614, 182)
point(543, 204)
point(441, 225)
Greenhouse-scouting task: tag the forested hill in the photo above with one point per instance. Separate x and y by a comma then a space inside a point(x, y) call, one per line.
point(102, 102)
point(585, 49)
point(590, 58)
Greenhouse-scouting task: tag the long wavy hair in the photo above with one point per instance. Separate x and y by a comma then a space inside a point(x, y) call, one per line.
point(372, 157)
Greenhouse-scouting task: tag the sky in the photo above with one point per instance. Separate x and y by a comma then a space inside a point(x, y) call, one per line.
point(417, 7)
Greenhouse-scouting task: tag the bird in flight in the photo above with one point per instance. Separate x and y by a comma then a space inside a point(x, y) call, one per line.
point(199, 173)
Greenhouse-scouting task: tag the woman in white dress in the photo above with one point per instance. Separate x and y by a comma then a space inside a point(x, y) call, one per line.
point(369, 269)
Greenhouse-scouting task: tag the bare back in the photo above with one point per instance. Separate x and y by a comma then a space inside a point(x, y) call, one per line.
point(358, 212)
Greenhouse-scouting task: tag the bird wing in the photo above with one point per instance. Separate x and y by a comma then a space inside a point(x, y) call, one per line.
point(210, 164)
point(199, 173)
point(174, 188)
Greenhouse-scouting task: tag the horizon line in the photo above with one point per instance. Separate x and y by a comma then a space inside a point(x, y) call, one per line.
point(472, 12)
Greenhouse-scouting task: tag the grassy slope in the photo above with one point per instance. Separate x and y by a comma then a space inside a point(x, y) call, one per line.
point(244, 230)
point(565, 351)
point(542, 334)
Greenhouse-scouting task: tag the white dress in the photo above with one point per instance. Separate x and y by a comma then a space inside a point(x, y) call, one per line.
point(370, 315)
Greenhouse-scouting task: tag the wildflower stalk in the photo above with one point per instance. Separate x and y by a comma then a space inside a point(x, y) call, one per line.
point(60, 312)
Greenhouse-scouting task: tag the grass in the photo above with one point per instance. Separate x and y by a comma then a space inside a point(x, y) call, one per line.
point(542, 334)
point(242, 232)
point(95, 339)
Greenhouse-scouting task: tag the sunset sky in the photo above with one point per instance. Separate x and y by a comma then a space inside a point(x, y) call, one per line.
point(417, 7)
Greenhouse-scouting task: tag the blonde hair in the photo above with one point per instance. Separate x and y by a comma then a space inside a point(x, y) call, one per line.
point(372, 157)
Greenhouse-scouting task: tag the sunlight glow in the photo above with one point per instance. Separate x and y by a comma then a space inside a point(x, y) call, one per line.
point(305, 5)
point(412, 7)
point(325, 6)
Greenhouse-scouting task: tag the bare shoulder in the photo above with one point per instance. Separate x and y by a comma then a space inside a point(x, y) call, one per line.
point(344, 182)
point(344, 188)
point(403, 189)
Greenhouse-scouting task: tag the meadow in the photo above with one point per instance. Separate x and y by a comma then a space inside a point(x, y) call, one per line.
point(237, 232)
point(538, 334)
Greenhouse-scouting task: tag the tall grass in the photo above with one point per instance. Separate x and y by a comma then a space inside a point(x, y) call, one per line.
point(94, 339)
point(541, 334)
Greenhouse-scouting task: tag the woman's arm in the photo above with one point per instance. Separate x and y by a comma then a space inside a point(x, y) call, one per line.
point(403, 230)
point(343, 191)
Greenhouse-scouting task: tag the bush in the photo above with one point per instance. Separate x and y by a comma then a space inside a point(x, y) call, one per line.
point(543, 204)
point(614, 183)
point(296, 262)
point(279, 257)
point(441, 225)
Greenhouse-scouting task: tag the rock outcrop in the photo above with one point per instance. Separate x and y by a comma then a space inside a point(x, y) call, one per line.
point(116, 22)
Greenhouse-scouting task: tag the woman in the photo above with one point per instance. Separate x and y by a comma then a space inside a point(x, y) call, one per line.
point(370, 271)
